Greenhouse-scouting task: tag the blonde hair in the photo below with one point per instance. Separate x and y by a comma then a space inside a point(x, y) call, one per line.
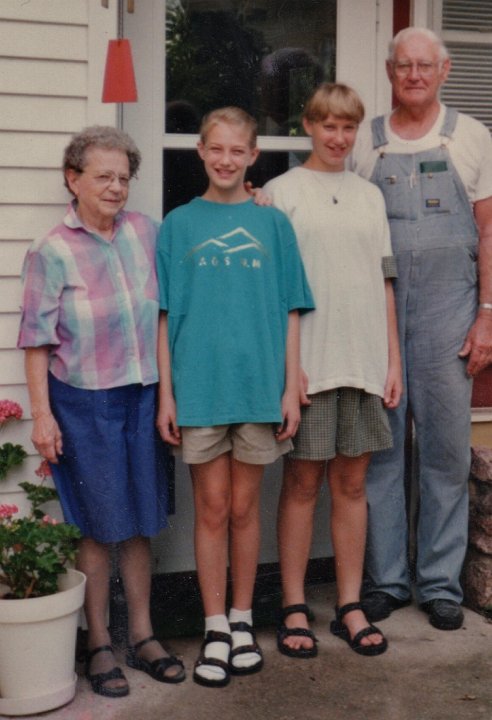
point(233, 116)
point(334, 99)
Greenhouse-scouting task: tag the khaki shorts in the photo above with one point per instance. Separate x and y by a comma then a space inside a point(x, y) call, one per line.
point(345, 421)
point(252, 443)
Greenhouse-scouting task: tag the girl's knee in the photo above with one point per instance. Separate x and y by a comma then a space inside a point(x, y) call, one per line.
point(300, 490)
point(213, 513)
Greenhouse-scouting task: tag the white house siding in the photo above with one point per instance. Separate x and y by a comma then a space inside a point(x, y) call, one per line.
point(52, 55)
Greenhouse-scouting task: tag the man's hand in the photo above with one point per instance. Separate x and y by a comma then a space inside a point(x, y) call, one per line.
point(478, 344)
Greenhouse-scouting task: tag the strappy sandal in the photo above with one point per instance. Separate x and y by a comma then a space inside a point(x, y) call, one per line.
point(339, 629)
point(210, 637)
point(284, 632)
point(98, 680)
point(243, 649)
point(155, 668)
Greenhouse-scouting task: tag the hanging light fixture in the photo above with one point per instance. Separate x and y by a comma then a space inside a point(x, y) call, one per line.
point(119, 76)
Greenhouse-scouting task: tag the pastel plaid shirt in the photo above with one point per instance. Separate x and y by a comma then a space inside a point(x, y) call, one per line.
point(95, 303)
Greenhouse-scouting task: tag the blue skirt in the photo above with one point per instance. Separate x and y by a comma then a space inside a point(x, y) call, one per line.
point(112, 476)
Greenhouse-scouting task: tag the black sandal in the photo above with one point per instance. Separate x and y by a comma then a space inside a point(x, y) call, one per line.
point(284, 632)
point(156, 668)
point(339, 629)
point(242, 649)
point(210, 637)
point(98, 680)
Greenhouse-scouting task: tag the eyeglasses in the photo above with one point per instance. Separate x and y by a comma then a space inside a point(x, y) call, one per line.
point(424, 69)
point(106, 179)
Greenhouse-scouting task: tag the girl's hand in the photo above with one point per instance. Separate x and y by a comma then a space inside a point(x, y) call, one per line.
point(303, 388)
point(258, 195)
point(166, 422)
point(291, 415)
point(393, 389)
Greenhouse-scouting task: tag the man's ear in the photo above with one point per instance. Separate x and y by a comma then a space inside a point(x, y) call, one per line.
point(389, 70)
point(445, 69)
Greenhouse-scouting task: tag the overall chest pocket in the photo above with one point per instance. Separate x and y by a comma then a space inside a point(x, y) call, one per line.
point(438, 190)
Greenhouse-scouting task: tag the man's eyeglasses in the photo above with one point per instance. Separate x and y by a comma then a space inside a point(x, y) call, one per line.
point(424, 69)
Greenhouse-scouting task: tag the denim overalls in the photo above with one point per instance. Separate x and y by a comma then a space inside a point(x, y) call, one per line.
point(435, 242)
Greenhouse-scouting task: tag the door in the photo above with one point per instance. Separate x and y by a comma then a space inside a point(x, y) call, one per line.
point(193, 55)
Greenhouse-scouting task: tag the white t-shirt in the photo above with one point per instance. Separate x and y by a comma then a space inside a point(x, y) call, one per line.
point(344, 341)
point(470, 149)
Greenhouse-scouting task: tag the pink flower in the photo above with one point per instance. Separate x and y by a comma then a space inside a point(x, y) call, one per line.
point(6, 511)
point(9, 409)
point(49, 520)
point(43, 470)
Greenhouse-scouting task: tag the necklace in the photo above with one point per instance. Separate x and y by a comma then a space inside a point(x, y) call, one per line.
point(334, 194)
point(334, 197)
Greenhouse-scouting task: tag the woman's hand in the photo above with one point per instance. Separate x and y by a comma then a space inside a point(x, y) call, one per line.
point(46, 437)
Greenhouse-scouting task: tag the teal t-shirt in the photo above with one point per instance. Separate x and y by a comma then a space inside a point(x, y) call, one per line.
point(228, 277)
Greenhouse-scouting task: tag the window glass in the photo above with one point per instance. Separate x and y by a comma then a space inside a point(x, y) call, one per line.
point(264, 56)
point(186, 178)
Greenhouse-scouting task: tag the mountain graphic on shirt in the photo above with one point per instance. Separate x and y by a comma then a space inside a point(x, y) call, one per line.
point(237, 240)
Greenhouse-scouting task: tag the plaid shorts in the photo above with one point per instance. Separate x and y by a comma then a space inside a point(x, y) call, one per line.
point(344, 421)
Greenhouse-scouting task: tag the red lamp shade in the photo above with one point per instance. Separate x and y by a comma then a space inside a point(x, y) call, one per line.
point(119, 77)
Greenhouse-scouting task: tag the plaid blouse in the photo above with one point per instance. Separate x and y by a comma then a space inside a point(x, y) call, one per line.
point(94, 302)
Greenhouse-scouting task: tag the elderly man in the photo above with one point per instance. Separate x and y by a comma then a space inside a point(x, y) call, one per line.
point(434, 166)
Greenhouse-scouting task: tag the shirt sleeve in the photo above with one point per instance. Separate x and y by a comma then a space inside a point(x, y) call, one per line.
point(163, 260)
point(298, 292)
point(43, 281)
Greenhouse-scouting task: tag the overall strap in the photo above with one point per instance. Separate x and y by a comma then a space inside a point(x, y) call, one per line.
point(378, 132)
point(449, 122)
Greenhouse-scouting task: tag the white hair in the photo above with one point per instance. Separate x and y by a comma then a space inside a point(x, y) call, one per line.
point(409, 32)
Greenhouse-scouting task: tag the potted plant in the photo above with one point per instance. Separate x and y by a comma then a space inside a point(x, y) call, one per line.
point(40, 599)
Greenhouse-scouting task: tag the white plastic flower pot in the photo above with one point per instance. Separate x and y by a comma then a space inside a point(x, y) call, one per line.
point(37, 648)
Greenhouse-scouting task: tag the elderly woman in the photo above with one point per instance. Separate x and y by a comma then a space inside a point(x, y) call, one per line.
point(89, 329)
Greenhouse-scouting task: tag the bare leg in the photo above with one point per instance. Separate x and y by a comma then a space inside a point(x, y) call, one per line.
point(93, 560)
point(244, 551)
point(212, 491)
point(244, 531)
point(348, 529)
point(136, 572)
point(212, 495)
point(301, 484)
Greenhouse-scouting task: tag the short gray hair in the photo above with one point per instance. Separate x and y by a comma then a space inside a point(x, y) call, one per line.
point(409, 32)
point(99, 136)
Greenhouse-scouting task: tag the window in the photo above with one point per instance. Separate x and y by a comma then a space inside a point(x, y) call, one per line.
point(466, 28)
point(265, 57)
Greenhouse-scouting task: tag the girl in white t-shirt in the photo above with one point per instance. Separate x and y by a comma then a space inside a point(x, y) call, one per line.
point(351, 363)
